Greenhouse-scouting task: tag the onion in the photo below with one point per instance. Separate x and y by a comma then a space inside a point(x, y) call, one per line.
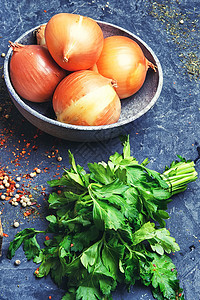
point(122, 60)
point(40, 35)
point(86, 98)
point(34, 74)
point(75, 42)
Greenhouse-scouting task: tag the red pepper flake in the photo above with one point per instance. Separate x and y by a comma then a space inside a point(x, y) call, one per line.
point(5, 234)
point(179, 294)
point(47, 238)
point(71, 245)
point(172, 270)
point(154, 265)
point(45, 12)
point(37, 271)
point(27, 213)
point(154, 269)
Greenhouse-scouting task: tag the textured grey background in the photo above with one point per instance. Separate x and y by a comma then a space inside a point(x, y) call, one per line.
point(171, 127)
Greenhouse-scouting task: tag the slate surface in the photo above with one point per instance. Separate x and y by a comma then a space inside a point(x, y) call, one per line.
point(171, 127)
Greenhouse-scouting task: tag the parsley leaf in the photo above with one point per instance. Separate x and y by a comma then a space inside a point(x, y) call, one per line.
point(26, 236)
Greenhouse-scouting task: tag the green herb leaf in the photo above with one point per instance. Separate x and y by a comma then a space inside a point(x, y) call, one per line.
point(20, 237)
point(31, 247)
point(163, 242)
point(106, 216)
point(88, 293)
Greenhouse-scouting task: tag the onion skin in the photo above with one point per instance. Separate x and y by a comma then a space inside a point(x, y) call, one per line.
point(75, 42)
point(123, 60)
point(40, 37)
point(34, 74)
point(86, 98)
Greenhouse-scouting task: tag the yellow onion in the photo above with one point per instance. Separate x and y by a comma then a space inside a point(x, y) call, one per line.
point(74, 41)
point(34, 73)
point(86, 98)
point(123, 60)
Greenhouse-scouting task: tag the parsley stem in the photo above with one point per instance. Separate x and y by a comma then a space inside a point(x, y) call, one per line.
point(124, 243)
point(178, 176)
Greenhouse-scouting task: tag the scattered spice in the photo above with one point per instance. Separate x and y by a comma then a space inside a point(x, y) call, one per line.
point(17, 262)
point(16, 224)
point(183, 29)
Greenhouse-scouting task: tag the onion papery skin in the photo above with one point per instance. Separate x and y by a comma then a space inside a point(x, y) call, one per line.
point(40, 36)
point(86, 98)
point(34, 74)
point(123, 60)
point(74, 41)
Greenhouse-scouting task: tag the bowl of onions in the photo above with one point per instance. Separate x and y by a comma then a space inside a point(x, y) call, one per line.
point(82, 91)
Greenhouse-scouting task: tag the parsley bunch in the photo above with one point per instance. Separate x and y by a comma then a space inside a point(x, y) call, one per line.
point(108, 227)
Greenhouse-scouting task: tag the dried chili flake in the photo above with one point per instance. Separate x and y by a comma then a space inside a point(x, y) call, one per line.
point(27, 213)
point(47, 238)
point(5, 234)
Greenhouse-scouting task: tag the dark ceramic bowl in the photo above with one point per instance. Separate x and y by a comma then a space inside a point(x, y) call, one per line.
point(42, 116)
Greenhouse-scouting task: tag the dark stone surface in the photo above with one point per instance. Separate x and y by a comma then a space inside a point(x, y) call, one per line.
point(171, 127)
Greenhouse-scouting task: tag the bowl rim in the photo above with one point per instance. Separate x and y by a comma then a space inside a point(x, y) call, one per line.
point(81, 127)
